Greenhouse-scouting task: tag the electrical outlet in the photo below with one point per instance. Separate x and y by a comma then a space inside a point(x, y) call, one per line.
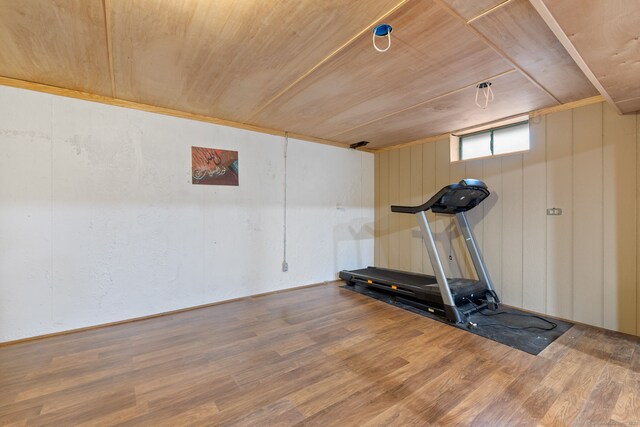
point(554, 211)
point(285, 266)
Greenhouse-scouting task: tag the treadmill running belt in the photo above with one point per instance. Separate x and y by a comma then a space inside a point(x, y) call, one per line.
point(395, 276)
point(418, 284)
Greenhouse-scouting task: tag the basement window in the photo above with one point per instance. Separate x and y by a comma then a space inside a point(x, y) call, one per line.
point(503, 139)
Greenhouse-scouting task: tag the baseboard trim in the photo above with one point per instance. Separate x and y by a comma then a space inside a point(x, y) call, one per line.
point(164, 313)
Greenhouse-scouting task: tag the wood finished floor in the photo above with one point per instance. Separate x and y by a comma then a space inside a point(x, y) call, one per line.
point(317, 356)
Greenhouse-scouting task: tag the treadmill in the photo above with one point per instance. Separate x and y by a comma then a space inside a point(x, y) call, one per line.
point(453, 298)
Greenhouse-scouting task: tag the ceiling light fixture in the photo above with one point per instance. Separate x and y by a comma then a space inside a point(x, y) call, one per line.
point(382, 30)
point(485, 88)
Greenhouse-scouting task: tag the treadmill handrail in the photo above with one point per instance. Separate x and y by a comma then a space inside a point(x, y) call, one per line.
point(471, 184)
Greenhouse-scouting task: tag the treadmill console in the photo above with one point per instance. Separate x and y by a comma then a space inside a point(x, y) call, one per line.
point(470, 182)
point(460, 197)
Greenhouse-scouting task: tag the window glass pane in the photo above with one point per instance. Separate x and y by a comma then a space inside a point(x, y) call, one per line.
point(476, 146)
point(508, 140)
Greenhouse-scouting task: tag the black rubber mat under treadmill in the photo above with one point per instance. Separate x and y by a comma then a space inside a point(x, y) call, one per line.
point(515, 328)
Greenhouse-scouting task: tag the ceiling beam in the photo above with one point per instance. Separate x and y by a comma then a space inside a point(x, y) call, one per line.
point(499, 51)
point(553, 25)
point(488, 11)
point(326, 59)
point(70, 93)
point(107, 29)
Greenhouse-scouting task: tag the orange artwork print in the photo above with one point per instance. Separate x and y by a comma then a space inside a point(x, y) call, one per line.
point(210, 166)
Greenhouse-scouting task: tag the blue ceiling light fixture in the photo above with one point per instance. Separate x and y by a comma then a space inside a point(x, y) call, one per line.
point(382, 30)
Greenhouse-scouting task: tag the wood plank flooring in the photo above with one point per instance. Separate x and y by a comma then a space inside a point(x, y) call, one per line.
point(318, 356)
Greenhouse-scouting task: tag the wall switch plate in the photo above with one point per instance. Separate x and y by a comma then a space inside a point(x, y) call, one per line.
point(285, 266)
point(554, 211)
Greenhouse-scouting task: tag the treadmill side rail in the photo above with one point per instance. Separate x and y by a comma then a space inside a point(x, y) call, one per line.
point(476, 255)
point(450, 308)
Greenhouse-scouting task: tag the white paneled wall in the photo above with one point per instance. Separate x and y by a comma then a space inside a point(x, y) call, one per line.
point(99, 221)
point(581, 265)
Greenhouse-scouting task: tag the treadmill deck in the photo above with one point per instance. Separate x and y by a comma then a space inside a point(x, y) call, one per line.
point(421, 286)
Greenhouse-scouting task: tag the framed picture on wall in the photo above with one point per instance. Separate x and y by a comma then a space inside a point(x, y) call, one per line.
point(212, 166)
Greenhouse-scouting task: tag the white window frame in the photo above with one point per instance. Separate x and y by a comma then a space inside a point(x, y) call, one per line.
point(455, 138)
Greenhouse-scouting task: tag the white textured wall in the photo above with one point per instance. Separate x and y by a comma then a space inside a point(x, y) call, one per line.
point(99, 220)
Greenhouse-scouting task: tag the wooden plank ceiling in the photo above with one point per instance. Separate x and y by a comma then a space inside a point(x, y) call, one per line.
point(61, 43)
point(604, 38)
point(302, 66)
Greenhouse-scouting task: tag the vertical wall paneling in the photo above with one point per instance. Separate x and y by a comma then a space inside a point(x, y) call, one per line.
point(428, 190)
point(416, 199)
point(473, 169)
point(376, 206)
point(587, 215)
point(405, 221)
point(492, 222)
point(382, 211)
point(512, 199)
point(534, 237)
point(619, 197)
point(394, 199)
point(559, 137)
point(583, 264)
point(442, 224)
point(461, 262)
